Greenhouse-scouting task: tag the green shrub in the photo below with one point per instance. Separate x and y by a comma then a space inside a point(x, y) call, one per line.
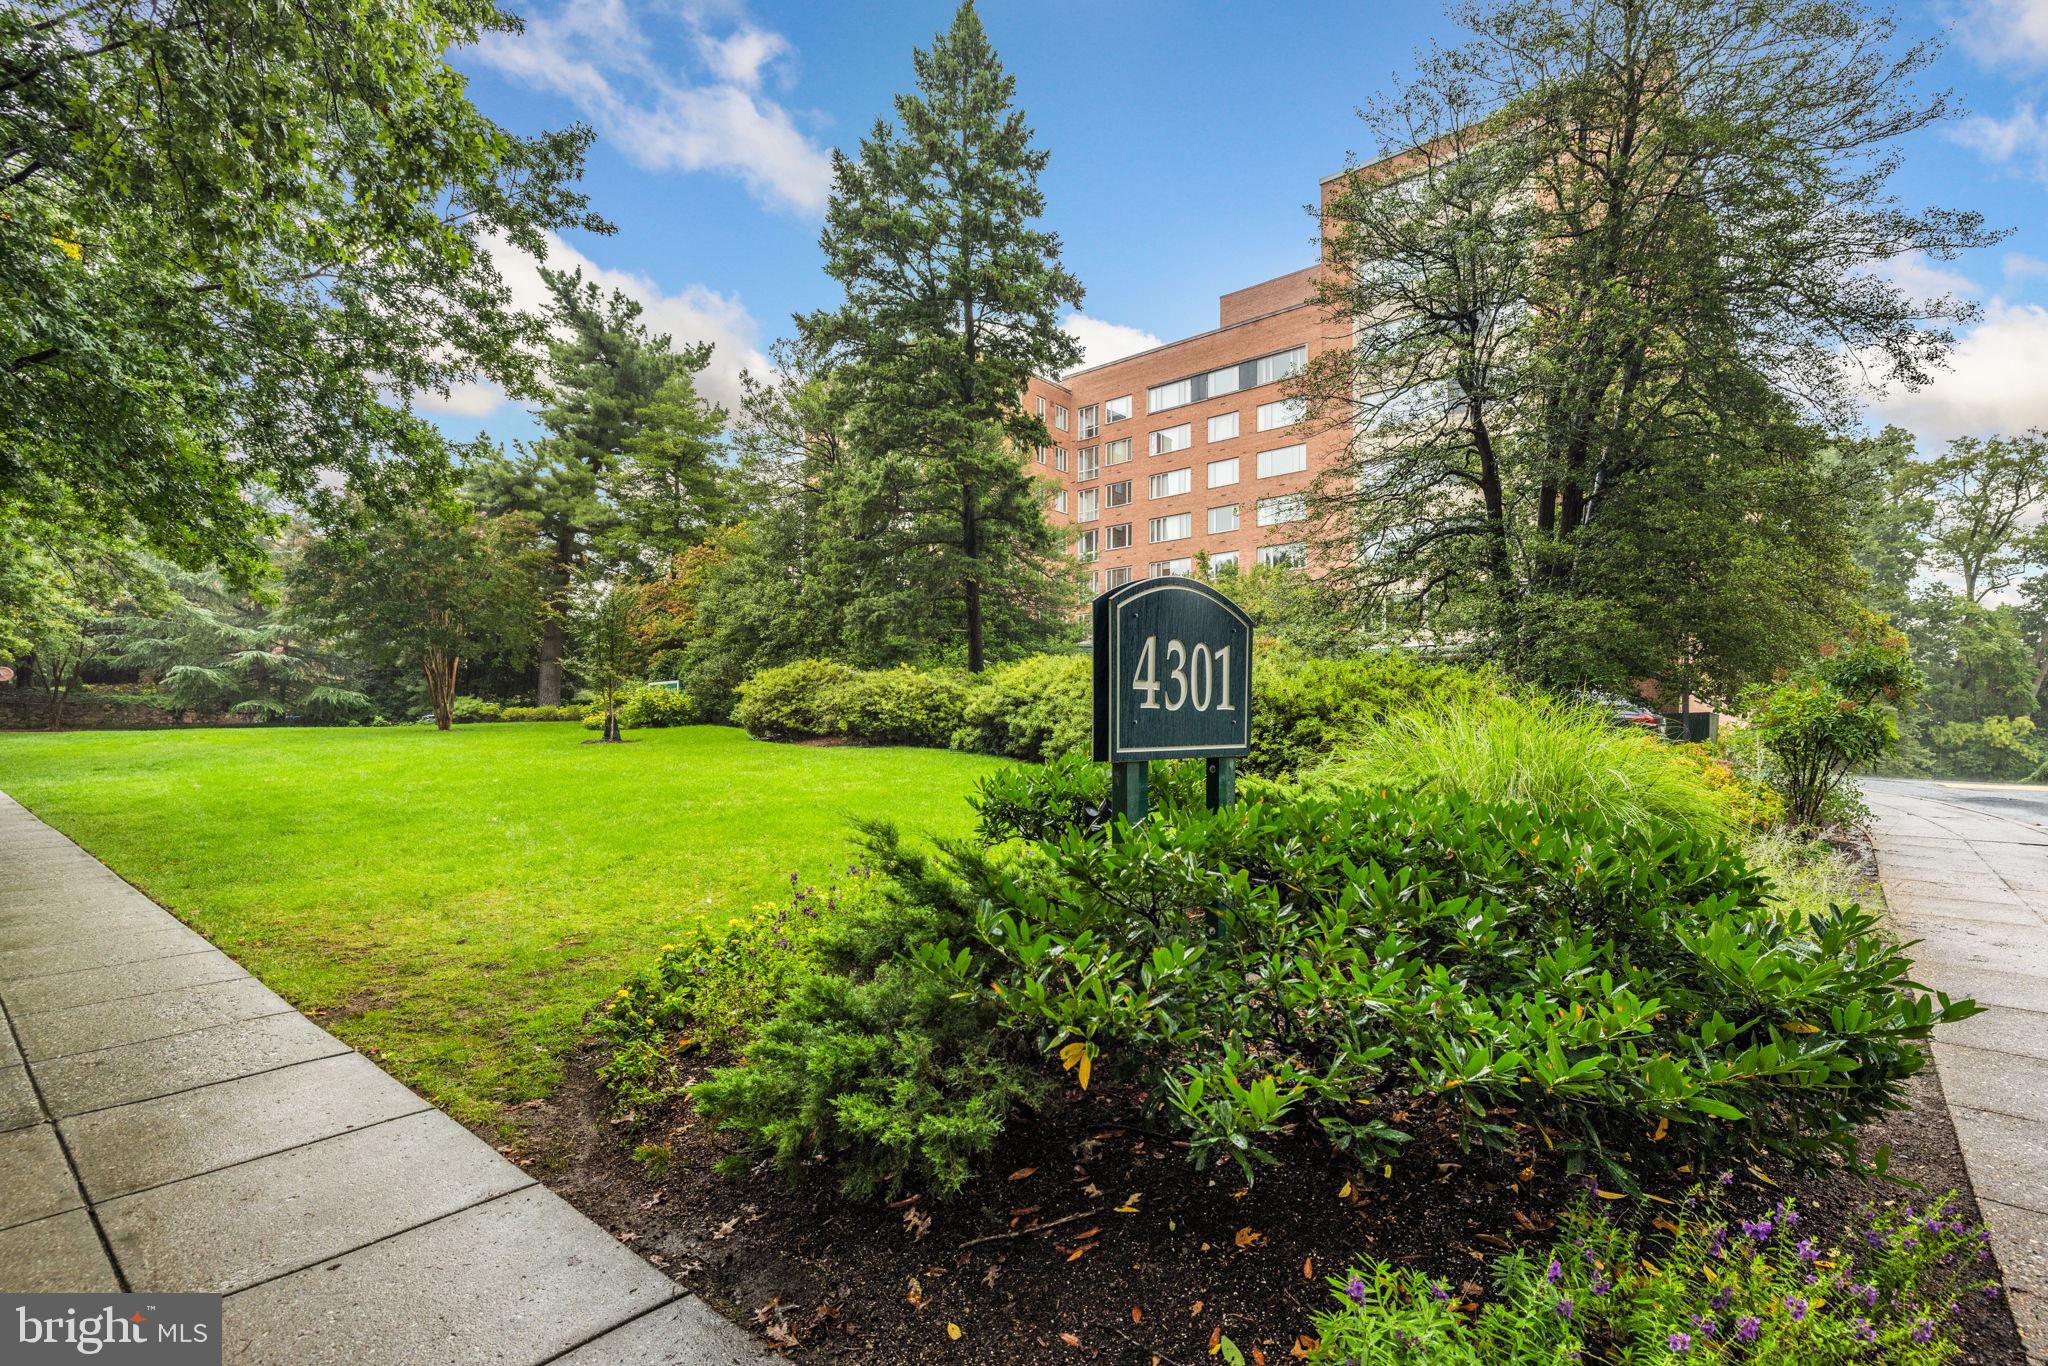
point(469, 709)
point(876, 1063)
point(900, 706)
point(1553, 755)
point(1308, 711)
point(651, 708)
point(792, 701)
point(562, 713)
point(1336, 961)
point(709, 988)
point(1807, 876)
point(1886, 1289)
point(1046, 801)
point(1835, 716)
point(1037, 708)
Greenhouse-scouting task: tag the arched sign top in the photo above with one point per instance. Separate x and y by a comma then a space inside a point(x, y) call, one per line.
point(1173, 673)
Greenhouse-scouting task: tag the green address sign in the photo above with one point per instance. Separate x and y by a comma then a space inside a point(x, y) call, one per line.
point(1173, 680)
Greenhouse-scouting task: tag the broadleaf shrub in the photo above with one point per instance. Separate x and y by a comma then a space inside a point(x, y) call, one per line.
point(1838, 714)
point(566, 712)
point(1363, 954)
point(466, 710)
point(1304, 711)
point(792, 701)
point(650, 708)
point(1038, 708)
point(1884, 1290)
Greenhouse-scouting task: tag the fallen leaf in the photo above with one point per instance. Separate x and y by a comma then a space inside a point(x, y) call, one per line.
point(953, 1331)
point(1303, 1345)
point(1470, 1289)
point(1021, 1173)
point(1246, 1237)
point(1258, 1357)
point(725, 1229)
point(918, 1224)
point(1196, 1310)
point(1086, 1234)
point(1070, 1339)
point(1345, 1194)
point(1080, 1252)
point(916, 1295)
point(988, 1277)
point(1215, 1339)
point(1137, 1314)
point(1308, 1268)
point(1663, 1128)
point(1608, 1195)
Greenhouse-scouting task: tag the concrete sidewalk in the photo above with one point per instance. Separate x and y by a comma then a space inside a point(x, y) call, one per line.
point(1971, 885)
point(168, 1123)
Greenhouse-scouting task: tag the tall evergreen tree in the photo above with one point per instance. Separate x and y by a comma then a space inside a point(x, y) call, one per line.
point(953, 296)
point(626, 448)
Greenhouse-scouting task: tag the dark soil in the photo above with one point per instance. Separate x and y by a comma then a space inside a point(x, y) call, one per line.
point(1098, 1242)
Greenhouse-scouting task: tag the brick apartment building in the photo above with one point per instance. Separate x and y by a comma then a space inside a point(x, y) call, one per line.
point(1189, 449)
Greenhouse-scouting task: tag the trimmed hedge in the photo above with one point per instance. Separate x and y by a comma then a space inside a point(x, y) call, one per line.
point(1038, 708)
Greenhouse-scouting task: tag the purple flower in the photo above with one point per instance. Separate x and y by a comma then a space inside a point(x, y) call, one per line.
point(1679, 1343)
point(1564, 1309)
point(1703, 1326)
point(1601, 1285)
point(1864, 1329)
point(1555, 1273)
point(1727, 1178)
point(1721, 1298)
point(1747, 1327)
point(1797, 1307)
point(1355, 1288)
point(1808, 1253)
point(1760, 1230)
point(1990, 1292)
point(1923, 1331)
point(1440, 1292)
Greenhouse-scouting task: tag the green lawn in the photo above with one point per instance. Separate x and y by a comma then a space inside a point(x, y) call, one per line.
point(453, 904)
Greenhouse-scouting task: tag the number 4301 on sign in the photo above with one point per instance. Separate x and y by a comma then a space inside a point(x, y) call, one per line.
point(1172, 673)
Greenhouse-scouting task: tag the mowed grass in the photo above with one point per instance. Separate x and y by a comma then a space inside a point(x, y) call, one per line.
point(454, 904)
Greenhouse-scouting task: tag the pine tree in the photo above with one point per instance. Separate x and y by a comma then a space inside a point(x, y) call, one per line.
point(952, 302)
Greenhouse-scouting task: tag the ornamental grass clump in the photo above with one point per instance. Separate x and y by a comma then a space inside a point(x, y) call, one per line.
point(1536, 750)
point(1885, 1291)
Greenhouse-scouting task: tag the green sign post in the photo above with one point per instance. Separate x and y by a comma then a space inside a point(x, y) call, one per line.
point(1173, 680)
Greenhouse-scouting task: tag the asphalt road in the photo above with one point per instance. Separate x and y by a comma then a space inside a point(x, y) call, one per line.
point(2008, 801)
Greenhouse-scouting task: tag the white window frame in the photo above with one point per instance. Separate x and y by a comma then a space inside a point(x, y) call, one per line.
point(1283, 460)
point(1283, 412)
point(1110, 491)
point(1089, 427)
point(1223, 473)
point(1161, 397)
point(1282, 509)
point(1172, 569)
point(1059, 417)
point(1088, 463)
point(1229, 519)
point(1087, 505)
point(1160, 530)
point(1059, 501)
point(1086, 547)
point(1117, 452)
point(1167, 440)
point(1222, 560)
point(1223, 426)
point(1160, 485)
point(1294, 554)
point(1116, 576)
point(1113, 541)
point(1109, 409)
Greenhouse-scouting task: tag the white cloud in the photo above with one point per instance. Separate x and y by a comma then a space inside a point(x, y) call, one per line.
point(478, 398)
point(2022, 138)
point(1103, 342)
point(2020, 266)
point(1993, 383)
point(599, 56)
point(2006, 31)
point(1924, 279)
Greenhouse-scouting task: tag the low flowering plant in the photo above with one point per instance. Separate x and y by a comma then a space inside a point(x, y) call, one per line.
point(1889, 1289)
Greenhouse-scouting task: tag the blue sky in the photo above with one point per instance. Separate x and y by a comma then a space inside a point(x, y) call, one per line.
point(1186, 138)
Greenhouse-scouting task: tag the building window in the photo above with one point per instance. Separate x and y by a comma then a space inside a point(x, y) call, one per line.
point(1117, 577)
point(1173, 439)
point(1059, 417)
point(1284, 413)
point(1294, 556)
point(1085, 547)
point(1222, 560)
point(1221, 382)
point(1120, 536)
point(1178, 527)
point(1116, 409)
point(1041, 455)
point(1223, 519)
point(1085, 505)
point(1095, 580)
point(1116, 495)
point(1171, 483)
point(1168, 569)
point(1288, 507)
point(1117, 452)
point(1286, 460)
point(1223, 426)
point(1088, 424)
point(1059, 459)
point(1059, 501)
point(1041, 406)
point(1087, 463)
point(1222, 472)
point(1280, 365)
point(1160, 397)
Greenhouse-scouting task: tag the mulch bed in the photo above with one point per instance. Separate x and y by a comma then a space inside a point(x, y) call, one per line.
point(1100, 1243)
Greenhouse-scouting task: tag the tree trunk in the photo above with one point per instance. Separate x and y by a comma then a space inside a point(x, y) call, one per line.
point(970, 545)
point(611, 725)
point(441, 669)
point(547, 685)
